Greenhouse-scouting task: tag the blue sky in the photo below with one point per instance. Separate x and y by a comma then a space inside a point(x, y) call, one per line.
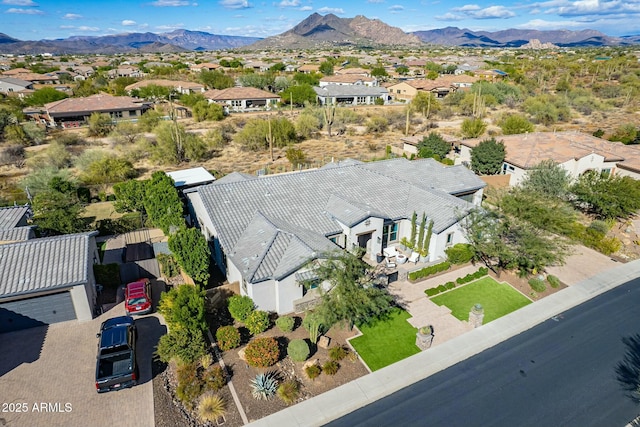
point(49, 19)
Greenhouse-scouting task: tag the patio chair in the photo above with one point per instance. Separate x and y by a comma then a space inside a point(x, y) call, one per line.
point(390, 263)
point(390, 251)
point(415, 256)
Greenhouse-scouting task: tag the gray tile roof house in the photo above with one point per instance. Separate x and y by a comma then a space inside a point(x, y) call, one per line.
point(47, 280)
point(264, 230)
point(13, 216)
point(351, 94)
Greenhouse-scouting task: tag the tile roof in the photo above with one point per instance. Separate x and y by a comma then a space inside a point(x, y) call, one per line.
point(46, 263)
point(93, 103)
point(283, 219)
point(17, 234)
point(527, 150)
point(347, 78)
point(16, 81)
point(165, 83)
point(349, 90)
point(239, 93)
point(11, 216)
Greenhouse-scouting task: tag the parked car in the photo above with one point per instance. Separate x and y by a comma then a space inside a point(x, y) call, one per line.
point(137, 297)
point(116, 364)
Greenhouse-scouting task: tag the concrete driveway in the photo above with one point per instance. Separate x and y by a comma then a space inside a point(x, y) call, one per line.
point(55, 365)
point(581, 265)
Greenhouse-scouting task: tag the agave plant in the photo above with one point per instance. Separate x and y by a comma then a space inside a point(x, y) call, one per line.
point(264, 386)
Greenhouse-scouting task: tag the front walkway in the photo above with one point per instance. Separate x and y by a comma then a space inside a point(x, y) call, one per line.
point(412, 298)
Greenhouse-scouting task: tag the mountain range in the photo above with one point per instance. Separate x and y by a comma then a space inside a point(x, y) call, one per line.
point(316, 31)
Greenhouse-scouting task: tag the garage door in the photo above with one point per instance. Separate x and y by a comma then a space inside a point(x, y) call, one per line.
point(36, 311)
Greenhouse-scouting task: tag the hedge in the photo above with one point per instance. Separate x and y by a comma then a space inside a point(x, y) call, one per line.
point(482, 271)
point(553, 281)
point(428, 271)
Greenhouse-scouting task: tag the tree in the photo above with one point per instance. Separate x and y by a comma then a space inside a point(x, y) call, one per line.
point(300, 95)
point(108, 170)
point(433, 145)
point(256, 131)
point(506, 243)
point(627, 134)
point(130, 196)
point(549, 178)
point(155, 93)
point(307, 124)
point(311, 79)
point(149, 120)
point(607, 197)
point(57, 209)
point(100, 124)
point(514, 124)
point(175, 145)
point(473, 128)
point(487, 157)
point(43, 96)
point(326, 68)
point(192, 253)
point(126, 132)
point(425, 102)
point(203, 110)
point(216, 79)
point(162, 203)
point(541, 210)
point(295, 156)
point(379, 72)
point(403, 70)
point(351, 298)
point(259, 81)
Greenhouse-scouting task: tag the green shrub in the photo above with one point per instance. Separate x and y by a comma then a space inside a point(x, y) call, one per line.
point(262, 352)
point(460, 253)
point(240, 307)
point(537, 284)
point(168, 265)
point(124, 224)
point(190, 386)
point(288, 391)
point(338, 353)
point(257, 322)
point(184, 345)
point(312, 371)
point(285, 323)
point(107, 274)
point(427, 271)
point(599, 226)
point(228, 337)
point(431, 292)
point(450, 285)
point(482, 271)
point(214, 378)
point(441, 288)
point(330, 367)
point(553, 281)
point(298, 350)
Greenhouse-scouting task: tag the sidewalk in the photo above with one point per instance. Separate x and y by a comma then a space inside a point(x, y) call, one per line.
point(365, 390)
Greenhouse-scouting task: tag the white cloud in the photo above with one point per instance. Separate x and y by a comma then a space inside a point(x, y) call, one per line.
point(305, 8)
point(128, 23)
point(335, 10)
point(541, 24)
point(25, 11)
point(396, 8)
point(449, 17)
point(170, 27)
point(87, 28)
point(235, 4)
point(289, 3)
point(169, 3)
point(72, 16)
point(474, 11)
point(19, 2)
point(67, 27)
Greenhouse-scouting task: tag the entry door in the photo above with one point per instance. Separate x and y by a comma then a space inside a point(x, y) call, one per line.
point(363, 239)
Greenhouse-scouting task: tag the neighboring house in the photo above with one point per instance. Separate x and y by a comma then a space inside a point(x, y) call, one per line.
point(351, 94)
point(576, 152)
point(490, 75)
point(84, 70)
point(188, 178)
point(14, 224)
point(181, 87)
point(47, 280)
point(35, 78)
point(124, 72)
point(354, 71)
point(441, 87)
point(73, 112)
point(242, 98)
point(206, 66)
point(258, 66)
point(12, 85)
point(264, 231)
point(309, 68)
point(348, 79)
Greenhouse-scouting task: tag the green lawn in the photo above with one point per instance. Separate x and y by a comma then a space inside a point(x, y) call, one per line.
point(386, 341)
point(497, 299)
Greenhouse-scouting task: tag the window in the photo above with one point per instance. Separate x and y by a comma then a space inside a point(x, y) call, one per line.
point(362, 99)
point(449, 239)
point(236, 103)
point(338, 240)
point(116, 114)
point(390, 232)
point(133, 113)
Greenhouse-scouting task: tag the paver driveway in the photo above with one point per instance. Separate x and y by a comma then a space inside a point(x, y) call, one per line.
point(55, 365)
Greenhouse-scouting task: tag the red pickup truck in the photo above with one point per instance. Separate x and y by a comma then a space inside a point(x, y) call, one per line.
point(137, 297)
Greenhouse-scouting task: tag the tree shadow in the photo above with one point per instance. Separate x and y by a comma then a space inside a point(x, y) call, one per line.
point(283, 342)
point(628, 370)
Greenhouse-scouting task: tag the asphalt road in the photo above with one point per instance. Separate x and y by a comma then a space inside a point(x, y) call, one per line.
point(560, 373)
